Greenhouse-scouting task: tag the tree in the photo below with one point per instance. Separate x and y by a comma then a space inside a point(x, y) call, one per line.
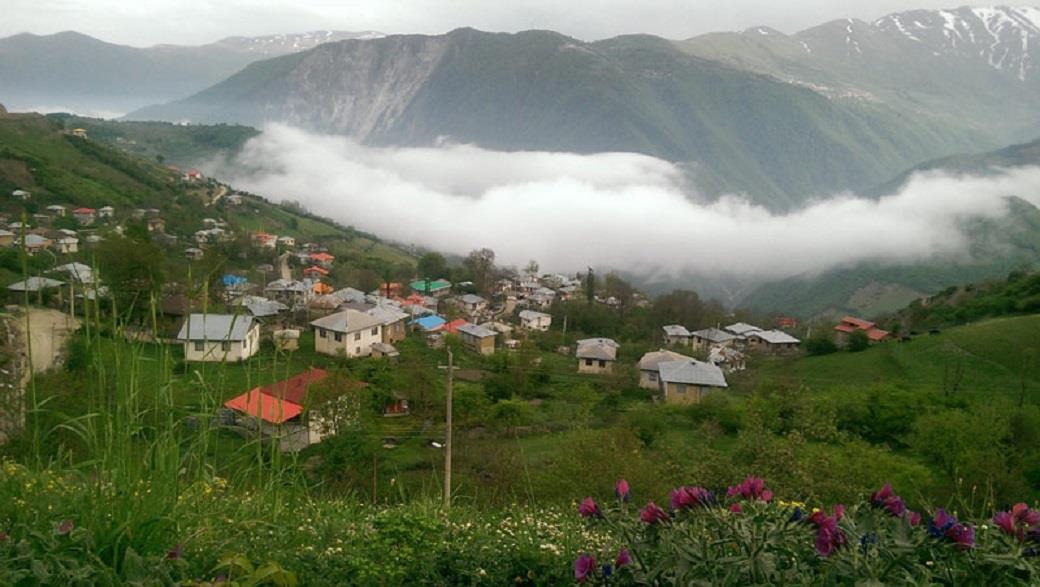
point(133, 271)
point(481, 265)
point(820, 345)
point(590, 286)
point(532, 267)
point(857, 342)
point(432, 265)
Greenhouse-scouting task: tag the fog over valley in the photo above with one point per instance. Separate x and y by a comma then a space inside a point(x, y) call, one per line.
point(622, 211)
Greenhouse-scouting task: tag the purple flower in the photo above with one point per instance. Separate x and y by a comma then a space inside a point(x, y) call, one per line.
point(752, 488)
point(175, 553)
point(690, 497)
point(584, 567)
point(877, 499)
point(621, 490)
point(963, 535)
point(914, 518)
point(588, 508)
point(796, 515)
point(942, 522)
point(65, 527)
point(1018, 521)
point(652, 514)
point(623, 558)
point(735, 508)
point(829, 537)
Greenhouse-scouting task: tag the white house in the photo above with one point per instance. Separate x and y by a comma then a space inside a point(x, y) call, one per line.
point(471, 304)
point(349, 333)
point(596, 355)
point(21, 195)
point(105, 212)
point(56, 209)
point(219, 337)
point(649, 370)
point(676, 334)
point(532, 320)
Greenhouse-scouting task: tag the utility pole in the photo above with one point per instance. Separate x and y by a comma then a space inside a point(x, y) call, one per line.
point(447, 437)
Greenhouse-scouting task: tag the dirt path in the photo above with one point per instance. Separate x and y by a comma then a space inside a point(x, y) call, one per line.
point(283, 266)
point(49, 330)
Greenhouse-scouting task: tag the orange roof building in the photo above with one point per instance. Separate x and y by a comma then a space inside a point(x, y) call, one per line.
point(850, 324)
point(279, 402)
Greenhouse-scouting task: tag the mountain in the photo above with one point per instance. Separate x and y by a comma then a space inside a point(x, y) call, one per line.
point(978, 67)
point(738, 131)
point(72, 71)
point(998, 247)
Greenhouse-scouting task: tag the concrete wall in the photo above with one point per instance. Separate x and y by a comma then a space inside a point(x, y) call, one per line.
point(351, 344)
point(596, 367)
point(214, 351)
point(676, 393)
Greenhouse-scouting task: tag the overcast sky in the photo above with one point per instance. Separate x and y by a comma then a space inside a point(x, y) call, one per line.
point(149, 22)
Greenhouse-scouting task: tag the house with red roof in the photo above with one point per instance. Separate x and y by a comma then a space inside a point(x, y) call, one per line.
point(453, 326)
point(322, 259)
point(265, 240)
point(286, 411)
point(315, 272)
point(851, 324)
point(85, 216)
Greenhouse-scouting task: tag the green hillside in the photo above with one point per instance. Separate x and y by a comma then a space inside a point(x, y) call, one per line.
point(38, 155)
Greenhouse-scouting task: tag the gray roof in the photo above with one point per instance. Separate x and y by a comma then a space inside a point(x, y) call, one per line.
point(603, 349)
point(691, 372)
point(265, 308)
point(475, 330)
point(775, 337)
point(287, 285)
point(78, 271)
point(387, 314)
point(472, 299)
point(742, 328)
point(713, 335)
point(346, 321)
point(35, 240)
point(35, 284)
point(532, 315)
point(651, 360)
point(221, 327)
point(675, 330)
point(349, 294)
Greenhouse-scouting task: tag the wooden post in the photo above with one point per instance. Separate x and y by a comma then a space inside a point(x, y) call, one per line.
point(447, 439)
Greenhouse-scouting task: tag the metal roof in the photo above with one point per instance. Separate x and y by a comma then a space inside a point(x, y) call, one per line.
point(472, 299)
point(387, 314)
point(532, 315)
point(742, 328)
point(691, 372)
point(220, 327)
point(602, 349)
point(675, 330)
point(35, 284)
point(476, 330)
point(713, 335)
point(432, 322)
point(775, 337)
point(346, 321)
point(651, 360)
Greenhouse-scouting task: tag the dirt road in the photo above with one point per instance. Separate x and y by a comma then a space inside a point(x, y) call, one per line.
point(49, 330)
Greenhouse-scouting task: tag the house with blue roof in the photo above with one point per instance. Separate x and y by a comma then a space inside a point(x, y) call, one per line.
point(429, 323)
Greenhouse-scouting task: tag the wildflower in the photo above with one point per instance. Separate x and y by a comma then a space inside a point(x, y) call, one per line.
point(877, 499)
point(175, 553)
point(735, 508)
point(623, 558)
point(584, 566)
point(1018, 521)
point(689, 497)
point(829, 537)
point(867, 539)
point(941, 523)
point(885, 498)
point(607, 570)
point(65, 527)
point(752, 488)
point(963, 535)
point(588, 508)
point(653, 514)
point(914, 518)
point(621, 490)
point(796, 515)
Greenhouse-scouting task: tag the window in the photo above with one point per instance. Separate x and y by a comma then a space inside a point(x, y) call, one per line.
point(357, 350)
point(225, 346)
point(680, 388)
point(602, 364)
point(652, 376)
point(321, 332)
point(357, 336)
point(375, 331)
point(339, 337)
point(199, 346)
point(588, 362)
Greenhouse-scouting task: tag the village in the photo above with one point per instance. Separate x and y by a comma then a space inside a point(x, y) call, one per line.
point(302, 303)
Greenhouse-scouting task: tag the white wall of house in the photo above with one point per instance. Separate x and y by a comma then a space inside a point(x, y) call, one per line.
point(541, 323)
point(216, 350)
point(349, 344)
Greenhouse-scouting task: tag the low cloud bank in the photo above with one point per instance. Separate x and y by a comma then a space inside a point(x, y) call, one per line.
point(620, 210)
